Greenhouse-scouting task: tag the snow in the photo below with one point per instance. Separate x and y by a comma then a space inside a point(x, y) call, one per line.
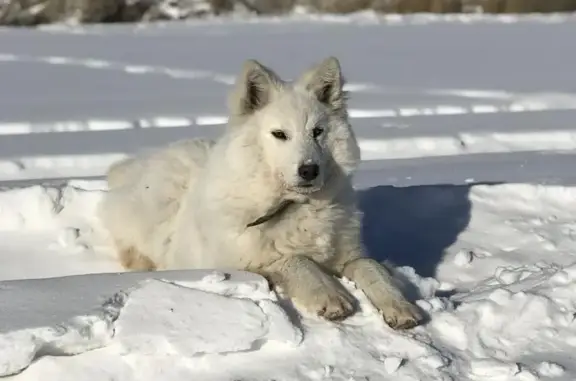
point(165, 310)
point(467, 184)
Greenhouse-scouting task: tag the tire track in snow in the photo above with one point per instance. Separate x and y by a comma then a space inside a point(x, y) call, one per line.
point(170, 121)
point(128, 68)
point(76, 162)
point(516, 102)
point(373, 147)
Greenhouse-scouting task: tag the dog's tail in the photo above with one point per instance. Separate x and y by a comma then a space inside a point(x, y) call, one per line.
point(119, 172)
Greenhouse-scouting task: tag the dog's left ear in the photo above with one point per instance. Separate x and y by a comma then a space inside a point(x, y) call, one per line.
point(254, 88)
point(326, 82)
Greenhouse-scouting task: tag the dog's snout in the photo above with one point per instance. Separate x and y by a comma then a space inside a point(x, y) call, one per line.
point(309, 172)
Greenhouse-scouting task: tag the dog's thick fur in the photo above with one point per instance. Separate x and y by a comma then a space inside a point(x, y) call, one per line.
point(191, 204)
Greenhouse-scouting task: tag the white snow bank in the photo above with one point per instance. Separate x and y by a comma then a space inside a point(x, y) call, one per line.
point(51, 208)
point(182, 327)
point(141, 313)
point(501, 303)
point(49, 231)
point(518, 324)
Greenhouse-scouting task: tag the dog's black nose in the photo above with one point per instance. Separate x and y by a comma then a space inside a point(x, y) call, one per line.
point(309, 171)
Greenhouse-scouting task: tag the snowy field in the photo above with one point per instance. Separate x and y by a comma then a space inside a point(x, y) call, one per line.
point(468, 133)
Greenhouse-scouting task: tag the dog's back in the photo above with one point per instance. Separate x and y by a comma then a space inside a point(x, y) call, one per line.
point(121, 172)
point(145, 192)
point(174, 163)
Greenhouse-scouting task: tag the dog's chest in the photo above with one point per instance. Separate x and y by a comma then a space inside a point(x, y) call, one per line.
point(307, 230)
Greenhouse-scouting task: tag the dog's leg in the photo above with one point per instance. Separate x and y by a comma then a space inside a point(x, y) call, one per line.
point(375, 280)
point(310, 287)
point(378, 284)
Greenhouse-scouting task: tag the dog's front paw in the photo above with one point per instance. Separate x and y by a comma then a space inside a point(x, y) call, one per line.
point(331, 303)
point(400, 314)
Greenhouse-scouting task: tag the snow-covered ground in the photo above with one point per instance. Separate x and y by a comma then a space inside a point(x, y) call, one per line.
point(467, 132)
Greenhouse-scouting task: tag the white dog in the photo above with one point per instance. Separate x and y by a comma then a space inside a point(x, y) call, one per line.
point(272, 196)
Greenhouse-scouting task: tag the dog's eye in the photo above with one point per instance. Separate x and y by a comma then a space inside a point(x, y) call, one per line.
point(280, 135)
point(317, 131)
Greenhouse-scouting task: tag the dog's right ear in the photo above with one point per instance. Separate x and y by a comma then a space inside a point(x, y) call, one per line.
point(326, 82)
point(254, 88)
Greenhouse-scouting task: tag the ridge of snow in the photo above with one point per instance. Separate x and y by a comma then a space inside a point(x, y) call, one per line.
point(75, 314)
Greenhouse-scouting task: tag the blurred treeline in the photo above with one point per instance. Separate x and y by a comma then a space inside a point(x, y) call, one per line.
point(34, 12)
point(403, 6)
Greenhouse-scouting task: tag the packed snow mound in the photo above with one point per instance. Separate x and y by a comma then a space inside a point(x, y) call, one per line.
point(56, 229)
point(50, 207)
point(176, 313)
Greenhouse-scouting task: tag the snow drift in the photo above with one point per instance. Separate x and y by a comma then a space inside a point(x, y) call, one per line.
point(492, 316)
point(188, 313)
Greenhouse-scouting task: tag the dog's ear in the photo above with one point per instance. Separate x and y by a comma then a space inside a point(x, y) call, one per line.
point(253, 89)
point(326, 82)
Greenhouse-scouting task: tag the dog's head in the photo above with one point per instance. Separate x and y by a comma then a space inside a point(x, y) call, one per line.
point(301, 127)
